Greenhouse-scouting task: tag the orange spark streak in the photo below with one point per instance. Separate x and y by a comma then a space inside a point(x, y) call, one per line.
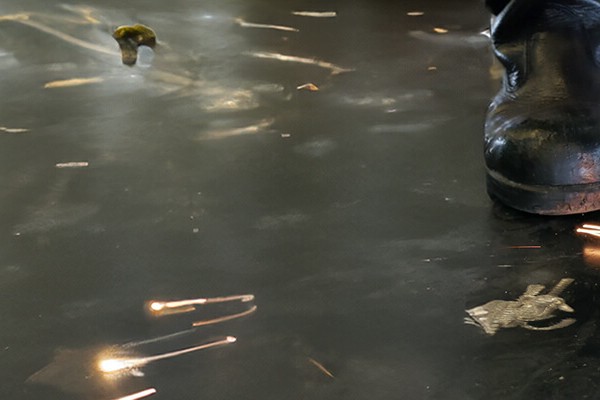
point(589, 229)
point(138, 395)
point(158, 306)
point(321, 367)
point(225, 318)
point(120, 364)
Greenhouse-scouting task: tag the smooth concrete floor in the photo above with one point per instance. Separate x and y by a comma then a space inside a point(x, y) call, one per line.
point(356, 214)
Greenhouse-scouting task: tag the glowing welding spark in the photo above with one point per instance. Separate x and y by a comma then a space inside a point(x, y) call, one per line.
point(246, 130)
point(158, 339)
point(13, 130)
point(589, 229)
point(245, 24)
point(335, 69)
point(589, 232)
point(72, 164)
point(315, 14)
point(138, 395)
point(525, 247)
point(311, 87)
point(225, 318)
point(159, 309)
point(321, 367)
point(72, 82)
point(115, 365)
point(159, 306)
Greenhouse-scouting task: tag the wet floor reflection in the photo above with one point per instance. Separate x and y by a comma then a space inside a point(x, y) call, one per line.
point(74, 371)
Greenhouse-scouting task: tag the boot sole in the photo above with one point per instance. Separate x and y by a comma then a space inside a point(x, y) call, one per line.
point(544, 200)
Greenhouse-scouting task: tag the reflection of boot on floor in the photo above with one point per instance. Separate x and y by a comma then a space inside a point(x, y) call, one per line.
point(542, 132)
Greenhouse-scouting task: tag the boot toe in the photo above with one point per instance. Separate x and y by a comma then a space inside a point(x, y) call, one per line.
point(546, 154)
point(544, 166)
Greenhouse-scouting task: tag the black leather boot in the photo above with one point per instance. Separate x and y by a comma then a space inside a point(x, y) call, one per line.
point(542, 132)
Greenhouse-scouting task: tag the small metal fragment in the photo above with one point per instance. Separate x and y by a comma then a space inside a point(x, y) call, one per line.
point(130, 37)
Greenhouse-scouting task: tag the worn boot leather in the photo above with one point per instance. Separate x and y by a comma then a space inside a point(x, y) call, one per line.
point(542, 131)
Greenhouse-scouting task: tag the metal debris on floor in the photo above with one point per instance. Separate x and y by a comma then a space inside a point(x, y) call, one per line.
point(531, 306)
point(130, 37)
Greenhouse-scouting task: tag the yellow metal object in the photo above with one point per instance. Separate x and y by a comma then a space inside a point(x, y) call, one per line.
point(130, 37)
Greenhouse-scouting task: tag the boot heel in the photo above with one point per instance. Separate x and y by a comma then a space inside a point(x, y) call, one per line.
point(545, 200)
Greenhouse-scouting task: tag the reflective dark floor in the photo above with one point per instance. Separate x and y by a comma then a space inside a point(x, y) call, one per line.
point(356, 214)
